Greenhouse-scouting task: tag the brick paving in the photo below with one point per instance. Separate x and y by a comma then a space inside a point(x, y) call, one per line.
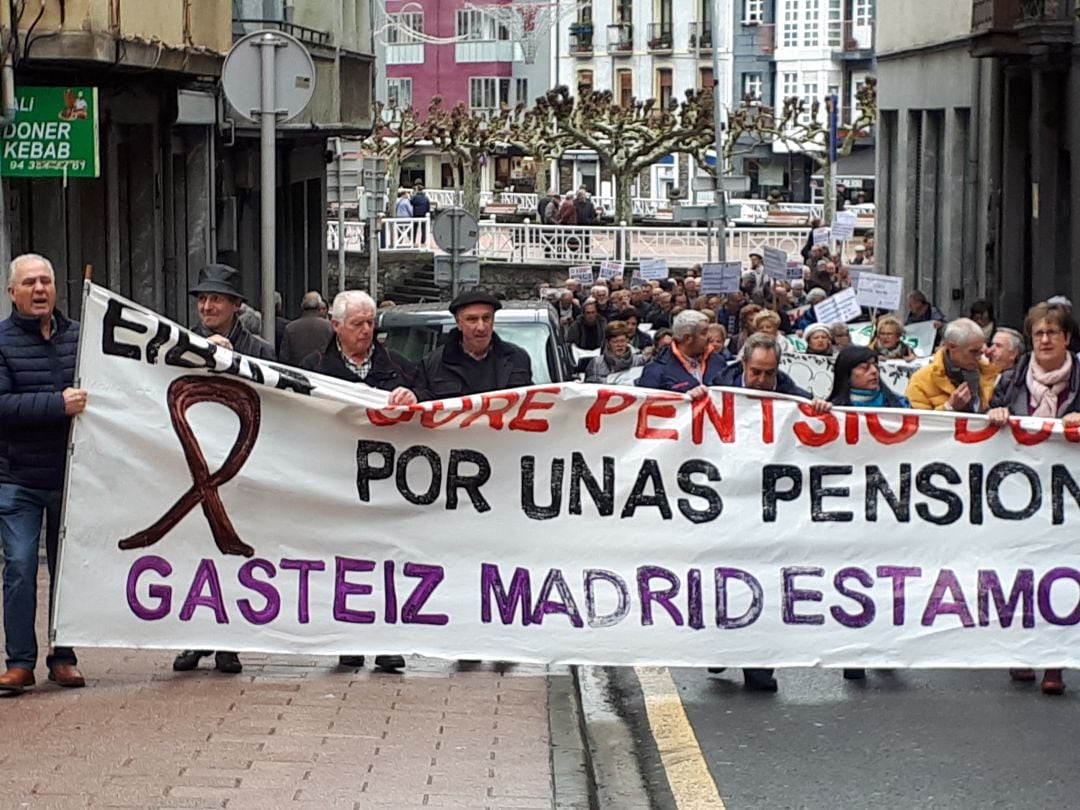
point(289, 732)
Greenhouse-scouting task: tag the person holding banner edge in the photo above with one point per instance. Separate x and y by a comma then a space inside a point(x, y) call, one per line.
point(355, 356)
point(1044, 383)
point(38, 399)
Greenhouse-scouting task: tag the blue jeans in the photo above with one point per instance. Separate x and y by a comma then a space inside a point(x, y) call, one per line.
point(21, 512)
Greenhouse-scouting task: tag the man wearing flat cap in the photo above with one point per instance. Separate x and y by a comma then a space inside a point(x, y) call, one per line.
point(473, 360)
point(220, 298)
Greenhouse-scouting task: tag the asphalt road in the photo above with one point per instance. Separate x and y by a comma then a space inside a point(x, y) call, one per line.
point(908, 739)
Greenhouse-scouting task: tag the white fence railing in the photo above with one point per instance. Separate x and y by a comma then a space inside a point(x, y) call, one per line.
point(752, 211)
point(524, 242)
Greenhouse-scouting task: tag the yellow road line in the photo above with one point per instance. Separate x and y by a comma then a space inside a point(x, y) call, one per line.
point(691, 783)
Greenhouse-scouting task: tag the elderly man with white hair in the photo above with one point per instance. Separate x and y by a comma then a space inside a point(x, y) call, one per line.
point(1005, 349)
point(353, 355)
point(38, 400)
point(959, 378)
point(690, 365)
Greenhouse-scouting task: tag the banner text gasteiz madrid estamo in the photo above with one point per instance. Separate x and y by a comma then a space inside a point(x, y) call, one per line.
point(217, 501)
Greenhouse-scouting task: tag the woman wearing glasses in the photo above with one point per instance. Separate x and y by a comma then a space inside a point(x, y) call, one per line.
point(1045, 382)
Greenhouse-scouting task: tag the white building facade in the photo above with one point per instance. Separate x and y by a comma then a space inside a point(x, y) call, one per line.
point(638, 50)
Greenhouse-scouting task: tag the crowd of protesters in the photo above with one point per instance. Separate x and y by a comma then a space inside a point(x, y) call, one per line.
point(680, 338)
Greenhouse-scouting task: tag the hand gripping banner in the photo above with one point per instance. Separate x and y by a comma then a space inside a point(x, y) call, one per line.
point(559, 523)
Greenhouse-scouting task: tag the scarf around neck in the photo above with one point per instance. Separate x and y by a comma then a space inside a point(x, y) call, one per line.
point(865, 398)
point(1045, 387)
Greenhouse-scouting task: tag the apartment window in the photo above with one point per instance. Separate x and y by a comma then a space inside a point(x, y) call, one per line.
point(476, 25)
point(521, 91)
point(809, 96)
point(663, 87)
point(791, 24)
point(753, 12)
point(403, 28)
point(626, 87)
point(487, 93)
point(584, 81)
point(751, 86)
point(811, 23)
point(403, 43)
point(398, 93)
point(791, 85)
point(705, 79)
point(863, 12)
point(836, 24)
point(624, 11)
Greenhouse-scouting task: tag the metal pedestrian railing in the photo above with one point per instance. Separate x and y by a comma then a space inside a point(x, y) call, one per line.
point(529, 243)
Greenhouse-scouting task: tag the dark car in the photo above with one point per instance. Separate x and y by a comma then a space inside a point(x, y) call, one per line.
point(413, 330)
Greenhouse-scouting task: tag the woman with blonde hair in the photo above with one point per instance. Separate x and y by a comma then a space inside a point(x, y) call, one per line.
point(886, 341)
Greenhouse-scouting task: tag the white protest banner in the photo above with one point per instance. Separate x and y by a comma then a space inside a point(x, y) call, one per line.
point(821, 236)
point(653, 269)
point(220, 502)
point(814, 372)
point(843, 226)
point(838, 308)
point(794, 270)
point(877, 291)
point(583, 273)
point(720, 278)
point(610, 269)
point(776, 263)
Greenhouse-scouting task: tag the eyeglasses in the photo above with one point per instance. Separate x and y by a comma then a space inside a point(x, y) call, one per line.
point(1044, 334)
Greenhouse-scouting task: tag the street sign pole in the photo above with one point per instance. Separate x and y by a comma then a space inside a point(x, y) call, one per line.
point(719, 196)
point(268, 45)
point(340, 216)
point(268, 76)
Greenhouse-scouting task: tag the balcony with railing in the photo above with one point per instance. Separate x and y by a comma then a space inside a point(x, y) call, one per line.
point(620, 39)
point(660, 39)
point(855, 41)
point(700, 37)
point(581, 39)
point(1019, 27)
point(309, 36)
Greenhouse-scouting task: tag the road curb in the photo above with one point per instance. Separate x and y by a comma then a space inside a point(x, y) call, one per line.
point(615, 778)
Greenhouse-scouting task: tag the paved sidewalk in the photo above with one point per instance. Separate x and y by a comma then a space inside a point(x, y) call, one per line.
point(290, 732)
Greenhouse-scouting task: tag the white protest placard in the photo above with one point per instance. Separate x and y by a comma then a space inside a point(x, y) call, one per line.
point(609, 269)
point(877, 291)
point(794, 270)
point(821, 236)
point(776, 263)
point(843, 226)
point(839, 308)
point(720, 278)
point(454, 528)
point(653, 269)
point(582, 272)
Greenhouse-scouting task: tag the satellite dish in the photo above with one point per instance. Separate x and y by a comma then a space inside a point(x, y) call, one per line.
point(294, 75)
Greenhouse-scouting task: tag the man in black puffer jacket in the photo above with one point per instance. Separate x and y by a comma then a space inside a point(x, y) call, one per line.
point(38, 346)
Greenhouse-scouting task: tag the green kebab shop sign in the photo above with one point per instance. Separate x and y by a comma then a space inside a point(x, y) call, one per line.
point(55, 134)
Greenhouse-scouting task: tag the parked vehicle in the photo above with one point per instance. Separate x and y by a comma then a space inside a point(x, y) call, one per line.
point(413, 330)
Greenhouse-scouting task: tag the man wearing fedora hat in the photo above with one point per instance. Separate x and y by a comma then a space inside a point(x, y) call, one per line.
point(473, 359)
point(220, 299)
